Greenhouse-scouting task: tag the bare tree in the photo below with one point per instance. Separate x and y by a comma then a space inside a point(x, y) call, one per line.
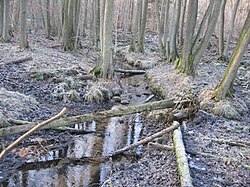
point(223, 87)
point(5, 34)
point(1, 18)
point(221, 29)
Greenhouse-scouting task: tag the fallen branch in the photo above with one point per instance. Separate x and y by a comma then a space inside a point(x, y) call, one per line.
point(230, 142)
point(20, 60)
point(130, 72)
point(27, 134)
point(160, 146)
point(181, 158)
point(147, 139)
point(168, 103)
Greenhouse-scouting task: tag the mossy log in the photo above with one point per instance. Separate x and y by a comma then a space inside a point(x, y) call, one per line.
point(182, 160)
point(168, 103)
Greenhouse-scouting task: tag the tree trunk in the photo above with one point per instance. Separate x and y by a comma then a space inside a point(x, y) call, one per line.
point(143, 25)
point(1, 18)
point(231, 28)
point(135, 26)
point(23, 30)
point(202, 26)
point(166, 28)
point(168, 103)
point(173, 36)
point(188, 35)
point(159, 29)
point(107, 62)
point(6, 36)
point(182, 19)
point(221, 29)
point(102, 8)
point(47, 18)
point(234, 62)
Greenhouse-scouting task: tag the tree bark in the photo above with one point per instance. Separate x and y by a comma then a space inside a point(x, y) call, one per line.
point(182, 19)
point(221, 29)
point(159, 29)
point(182, 161)
point(23, 28)
point(107, 63)
point(231, 28)
point(6, 36)
point(143, 25)
point(234, 62)
point(168, 103)
point(1, 17)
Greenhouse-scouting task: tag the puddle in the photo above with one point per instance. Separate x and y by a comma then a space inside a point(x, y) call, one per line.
point(117, 132)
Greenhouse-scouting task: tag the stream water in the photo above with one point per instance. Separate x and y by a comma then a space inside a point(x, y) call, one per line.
point(111, 134)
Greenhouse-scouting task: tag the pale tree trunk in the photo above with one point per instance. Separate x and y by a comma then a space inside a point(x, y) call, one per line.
point(182, 19)
point(202, 26)
point(126, 16)
point(47, 17)
point(221, 29)
point(78, 20)
point(229, 37)
point(166, 29)
point(159, 29)
point(231, 72)
point(135, 26)
point(173, 36)
point(1, 18)
point(143, 25)
point(6, 36)
point(102, 8)
point(204, 43)
point(14, 15)
point(107, 63)
point(188, 35)
point(23, 28)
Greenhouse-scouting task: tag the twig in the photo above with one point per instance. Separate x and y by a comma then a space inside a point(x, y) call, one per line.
point(20, 60)
point(25, 135)
point(147, 139)
point(230, 142)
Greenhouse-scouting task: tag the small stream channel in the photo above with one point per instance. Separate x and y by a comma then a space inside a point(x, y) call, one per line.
point(112, 134)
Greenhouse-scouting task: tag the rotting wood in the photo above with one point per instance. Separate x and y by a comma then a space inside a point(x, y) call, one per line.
point(156, 105)
point(130, 72)
point(147, 139)
point(27, 134)
point(20, 60)
point(181, 158)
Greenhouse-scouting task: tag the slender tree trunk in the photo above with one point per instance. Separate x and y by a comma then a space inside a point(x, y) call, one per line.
point(78, 23)
point(182, 19)
point(102, 8)
point(14, 15)
point(23, 28)
point(229, 37)
point(1, 18)
point(47, 17)
point(159, 29)
point(135, 26)
point(143, 25)
point(234, 62)
point(202, 26)
point(107, 63)
point(6, 36)
point(188, 35)
point(221, 29)
point(173, 36)
point(166, 29)
point(126, 16)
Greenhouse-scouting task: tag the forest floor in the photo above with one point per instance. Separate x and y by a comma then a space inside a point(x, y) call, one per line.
point(37, 89)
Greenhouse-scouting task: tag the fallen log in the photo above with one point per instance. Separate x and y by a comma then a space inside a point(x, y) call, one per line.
point(181, 158)
point(20, 60)
point(168, 103)
point(147, 139)
point(130, 72)
point(27, 134)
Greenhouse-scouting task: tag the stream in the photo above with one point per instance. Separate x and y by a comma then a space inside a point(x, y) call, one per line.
point(54, 169)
